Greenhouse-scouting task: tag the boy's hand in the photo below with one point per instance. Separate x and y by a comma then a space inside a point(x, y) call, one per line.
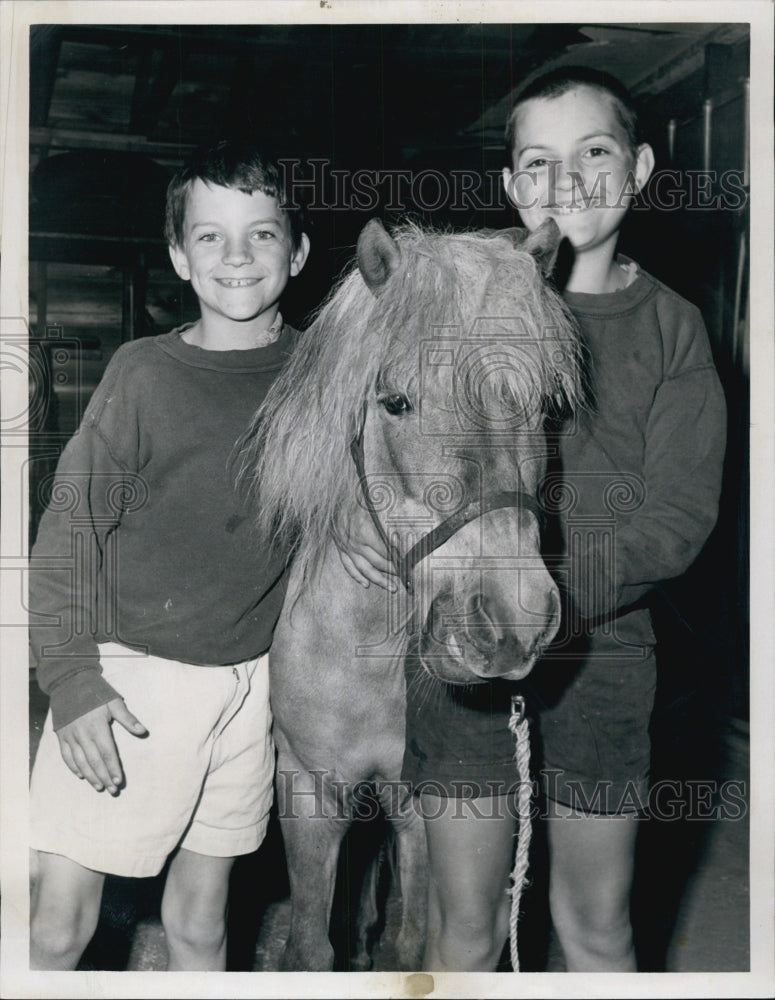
point(88, 747)
point(364, 556)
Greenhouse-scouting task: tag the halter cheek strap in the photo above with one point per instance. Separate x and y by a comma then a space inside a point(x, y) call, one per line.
point(404, 565)
point(356, 451)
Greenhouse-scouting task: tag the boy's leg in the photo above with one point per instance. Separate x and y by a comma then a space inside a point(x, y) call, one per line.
point(65, 908)
point(193, 911)
point(230, 819)
point(132, 834)
point(591, 866)
point(596, 757)
point(470, 845)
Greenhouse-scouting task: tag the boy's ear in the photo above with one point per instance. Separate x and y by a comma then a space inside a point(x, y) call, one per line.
point(644, 165)
point(179, 261)
point(299, 257)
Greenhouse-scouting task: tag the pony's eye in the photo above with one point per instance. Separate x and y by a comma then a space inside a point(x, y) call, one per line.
point(396, 404)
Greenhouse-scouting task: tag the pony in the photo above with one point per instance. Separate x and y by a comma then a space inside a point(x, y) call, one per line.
point(417, 397)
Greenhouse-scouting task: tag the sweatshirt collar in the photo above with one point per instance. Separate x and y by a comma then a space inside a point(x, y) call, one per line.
point(255, 359)
point(611, 303)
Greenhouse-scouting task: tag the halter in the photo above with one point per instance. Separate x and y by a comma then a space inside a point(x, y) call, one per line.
point(404, 565)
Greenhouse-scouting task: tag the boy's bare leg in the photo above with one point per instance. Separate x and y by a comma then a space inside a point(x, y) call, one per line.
point(193, 911)
point(65, 908)
point(470, 861)
point(591, 867)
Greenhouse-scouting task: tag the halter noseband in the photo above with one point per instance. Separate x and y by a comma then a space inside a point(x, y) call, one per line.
point(404, 565)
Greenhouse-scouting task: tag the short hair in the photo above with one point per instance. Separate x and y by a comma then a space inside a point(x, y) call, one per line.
point(559, 81)
point(229, 163)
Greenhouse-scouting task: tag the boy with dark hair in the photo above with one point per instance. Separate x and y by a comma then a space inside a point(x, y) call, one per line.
point(559, 81)
point(643, 467)
point(153, 602)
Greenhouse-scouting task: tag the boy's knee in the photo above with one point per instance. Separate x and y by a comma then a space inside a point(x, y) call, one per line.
point(58, 939)
point(603, 930)
point(191, 927)
point(593, 911)
point(476, 932)
point(64, 910)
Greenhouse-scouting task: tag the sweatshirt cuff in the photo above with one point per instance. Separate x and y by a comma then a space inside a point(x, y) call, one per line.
point(78, 695)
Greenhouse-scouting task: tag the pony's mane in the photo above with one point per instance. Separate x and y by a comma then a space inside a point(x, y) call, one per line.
point(295, 456)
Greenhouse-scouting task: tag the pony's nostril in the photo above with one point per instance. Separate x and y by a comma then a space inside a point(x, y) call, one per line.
point(553, 618)
point(555, 609)
point(481, 630)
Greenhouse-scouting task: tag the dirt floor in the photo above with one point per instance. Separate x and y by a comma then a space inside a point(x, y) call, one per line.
point(690, 904)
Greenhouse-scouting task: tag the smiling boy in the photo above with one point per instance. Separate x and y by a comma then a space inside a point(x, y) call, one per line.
point(153, 602)
point(238, 255)
point(642, 473)
point(576, 159)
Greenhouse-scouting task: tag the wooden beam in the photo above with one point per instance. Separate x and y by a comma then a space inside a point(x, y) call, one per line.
point(45, 44)
point(83, 248)
point(691, 59)
point(157, 75)
point(61, 138)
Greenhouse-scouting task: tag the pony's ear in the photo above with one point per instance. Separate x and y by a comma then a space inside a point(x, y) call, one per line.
point(513, 233)
point(543, 243)
point(378, 255)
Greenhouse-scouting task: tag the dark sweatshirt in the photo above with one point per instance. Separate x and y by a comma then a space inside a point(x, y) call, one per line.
point(641, 469)
point(145, 541)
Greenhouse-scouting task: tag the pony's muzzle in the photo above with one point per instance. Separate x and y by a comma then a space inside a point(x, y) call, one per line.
point(485, 642)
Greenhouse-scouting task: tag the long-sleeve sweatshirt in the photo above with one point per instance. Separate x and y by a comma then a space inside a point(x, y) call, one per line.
point(641, 467)
point(146, 541)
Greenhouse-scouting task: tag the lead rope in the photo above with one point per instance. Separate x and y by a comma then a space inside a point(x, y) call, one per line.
point(518, 725)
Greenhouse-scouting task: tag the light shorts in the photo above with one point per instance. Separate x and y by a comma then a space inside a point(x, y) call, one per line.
point(202, 779)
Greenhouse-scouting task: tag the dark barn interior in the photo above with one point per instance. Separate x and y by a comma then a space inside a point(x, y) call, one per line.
point(384, 120)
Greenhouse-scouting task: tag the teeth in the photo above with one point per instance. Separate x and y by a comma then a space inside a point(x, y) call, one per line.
point(236, 282)
point(456, 648)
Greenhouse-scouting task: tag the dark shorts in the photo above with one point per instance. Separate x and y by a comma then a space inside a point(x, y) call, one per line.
point(589, 720)
point(458, 742)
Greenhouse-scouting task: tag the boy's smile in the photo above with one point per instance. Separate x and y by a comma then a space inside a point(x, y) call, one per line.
point(238, 254)
point(573, 161)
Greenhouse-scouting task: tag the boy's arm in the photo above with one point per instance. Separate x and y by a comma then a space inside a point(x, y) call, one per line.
point(96, 481)
point(69, 552)
point(65, 562)
point(685, 444)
